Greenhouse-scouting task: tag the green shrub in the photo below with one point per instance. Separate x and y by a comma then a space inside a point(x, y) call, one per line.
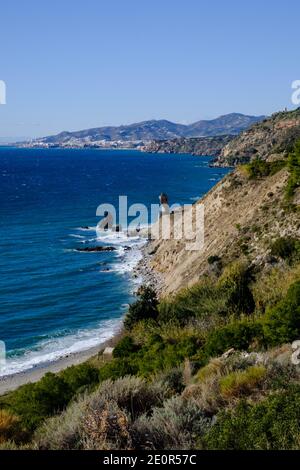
point(285, 248)
point(294, 169)
point(282, 322)
point(203, 301)
point(239, 382)
point(158, 354)
point(118, 367)
point(145, 307)
point(125, 347)
point(82, 375)
point(35, 402)
point(172, 379)
point(235, 282)
point(271, 424)
point(214, 259)
point(260, 168)
point(238, 335)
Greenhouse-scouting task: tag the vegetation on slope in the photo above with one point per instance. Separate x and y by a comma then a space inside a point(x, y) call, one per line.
point(208, 367)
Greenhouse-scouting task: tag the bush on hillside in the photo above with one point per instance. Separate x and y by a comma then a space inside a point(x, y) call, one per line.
point(125, 347)
point(260, 168)
point(294, 169)
point(62, 432)
point(158, 354)
point(239, 335)
point(239, 382)
point(282, 322)
point(273, 424)
point(105, 427)
point(285, 248)
point(82, 375)
point(145, 307)
point(117, 368)
point(132, 394)
point(35, 402)
point(235, 281)
point(176, 425)
point(203, 301)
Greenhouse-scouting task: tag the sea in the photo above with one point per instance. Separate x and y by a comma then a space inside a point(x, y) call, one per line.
point(54, 299)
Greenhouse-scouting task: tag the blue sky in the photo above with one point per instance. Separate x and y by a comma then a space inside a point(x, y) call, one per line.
point(77, 64)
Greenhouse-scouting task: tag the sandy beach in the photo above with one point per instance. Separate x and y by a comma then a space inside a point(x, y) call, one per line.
point(13, 381)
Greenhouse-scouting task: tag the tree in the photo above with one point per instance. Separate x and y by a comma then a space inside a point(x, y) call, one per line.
point(144, 308)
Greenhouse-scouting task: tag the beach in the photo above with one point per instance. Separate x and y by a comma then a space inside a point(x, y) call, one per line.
point(13, 381)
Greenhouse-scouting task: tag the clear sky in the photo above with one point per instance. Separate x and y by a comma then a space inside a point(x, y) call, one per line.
point(74, 64)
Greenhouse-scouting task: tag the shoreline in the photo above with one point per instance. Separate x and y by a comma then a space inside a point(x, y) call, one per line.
point(11, 382)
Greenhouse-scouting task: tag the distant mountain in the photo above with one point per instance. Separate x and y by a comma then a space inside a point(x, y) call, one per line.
point(154, 130)
point(233, 123)
point(146, 130)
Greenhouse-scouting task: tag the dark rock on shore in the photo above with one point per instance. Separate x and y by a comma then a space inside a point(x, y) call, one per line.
point(90, 249)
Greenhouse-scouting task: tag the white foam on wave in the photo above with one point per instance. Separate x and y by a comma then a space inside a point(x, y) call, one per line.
point(73, 235)
point(128, 250)
point(55, 348)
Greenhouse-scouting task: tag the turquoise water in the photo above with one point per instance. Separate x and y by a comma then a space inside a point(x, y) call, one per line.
point(53, 299)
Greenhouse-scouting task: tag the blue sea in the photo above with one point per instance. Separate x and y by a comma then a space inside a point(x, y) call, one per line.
point(55, 300)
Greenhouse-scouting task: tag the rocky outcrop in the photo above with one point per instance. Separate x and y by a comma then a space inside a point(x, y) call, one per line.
point(274, 136)
point(197, 146)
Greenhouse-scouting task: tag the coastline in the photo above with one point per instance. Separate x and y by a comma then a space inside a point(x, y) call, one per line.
point(11, 382)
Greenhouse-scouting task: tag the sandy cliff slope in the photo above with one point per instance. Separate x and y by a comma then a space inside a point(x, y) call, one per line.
point(241, 217)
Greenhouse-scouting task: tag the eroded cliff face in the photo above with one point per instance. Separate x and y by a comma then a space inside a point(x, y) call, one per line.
point(242, 217)
point(195, 145)
point(275, 135)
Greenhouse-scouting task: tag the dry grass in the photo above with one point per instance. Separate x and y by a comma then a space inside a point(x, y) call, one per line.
point(9, 426)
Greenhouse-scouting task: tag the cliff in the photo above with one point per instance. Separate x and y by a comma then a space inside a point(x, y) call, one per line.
point(267, 139)
point(195, 145)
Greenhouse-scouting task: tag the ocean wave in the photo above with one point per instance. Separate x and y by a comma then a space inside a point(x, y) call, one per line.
point(73, 235)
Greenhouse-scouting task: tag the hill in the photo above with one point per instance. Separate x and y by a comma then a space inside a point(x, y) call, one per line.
point(272, 137)
point(153, 130)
